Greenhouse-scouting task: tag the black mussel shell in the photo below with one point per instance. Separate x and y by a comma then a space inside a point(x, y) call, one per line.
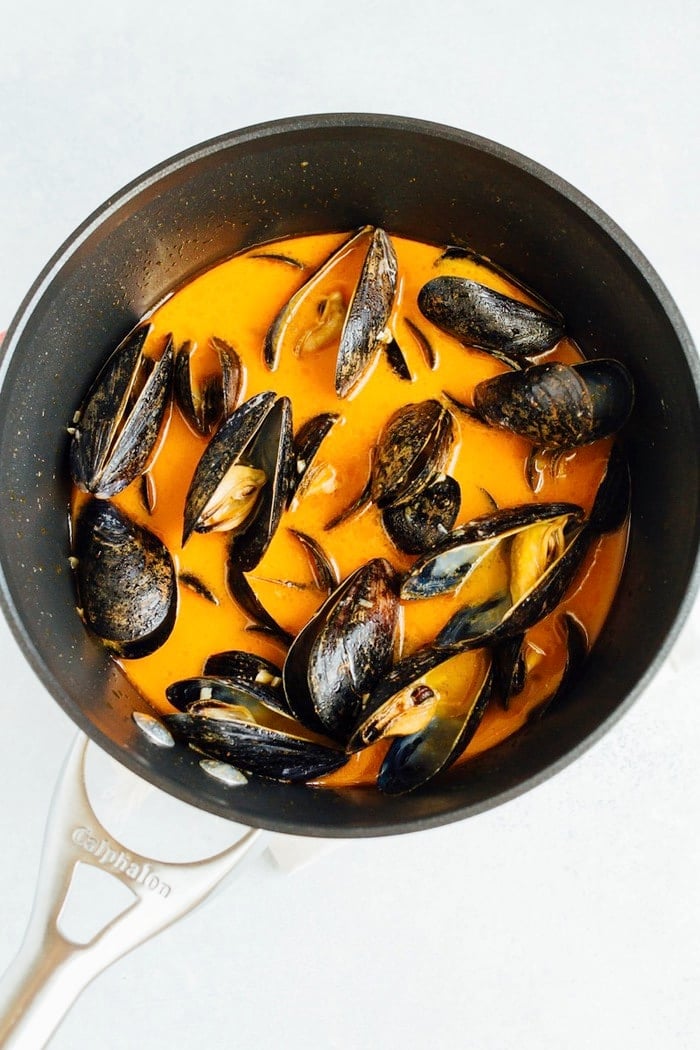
point(508, 668)
point(505, 618)
point(368, 314)
point(255, 749)
point(117, 427)
point(413, 760)
point(486, 319)
point(228, 445)
point(556, 405)
point(397, 361)
point(271, 452)
point(325, 574)
point(127, 588)
point(418, 524)
point(239, 691)
point(412, 448)
point(306, 444)
point(343, 651)
point(577, 649)
point(241, 666)
point(205, 404)
point(611, 506)
point(245, 597)
point(284, 330)
point(456, 556)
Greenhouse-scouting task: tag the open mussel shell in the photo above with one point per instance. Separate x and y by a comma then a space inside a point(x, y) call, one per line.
point(207, 400)
point(577, 649)
point(415, 759)
point(412, 448)
point(229, 735)
point(236, 691)
point(117, 426)
point(270, 452)
point(307, 442)
point(368, 314)
point(418, 524)
point(126, 582)
point(558, 406)
point(225, 450)
point(241, 482)
point(503, 617)
point(486, 319)
point(452, 560)
point(343, 651)
point(611, 506)
point(300, 315)
point(242, 666)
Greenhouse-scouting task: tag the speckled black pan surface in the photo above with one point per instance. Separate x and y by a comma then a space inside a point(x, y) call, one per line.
point(337, 172)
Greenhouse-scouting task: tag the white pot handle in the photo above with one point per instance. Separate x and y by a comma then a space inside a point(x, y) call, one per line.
point(50, 971)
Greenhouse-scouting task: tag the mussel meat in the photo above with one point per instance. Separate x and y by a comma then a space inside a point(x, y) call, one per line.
point(126, 582)
point(487, 319)
point(114, 433)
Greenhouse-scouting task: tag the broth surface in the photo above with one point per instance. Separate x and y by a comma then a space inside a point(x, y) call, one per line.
point(237, 301)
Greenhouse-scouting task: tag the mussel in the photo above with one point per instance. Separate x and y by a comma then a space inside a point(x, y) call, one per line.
point(126, 582)
point(514, 611)
point(343, 651)
point(307, 442)
point(431, 708)
point(531, 529)
point(229, 733)
point(558, 406)
point(487, 319)
point(317, 315)
point(235, 690)
point(207, 398)
point(238, 665)
point(410, 454)
point(420, 523)
point(368, 314)
point(412, 449)
point(241, 482)
point(115, 431)
point(307, 321)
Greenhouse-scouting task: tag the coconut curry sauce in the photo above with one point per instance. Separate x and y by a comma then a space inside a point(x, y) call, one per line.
point(237, 301)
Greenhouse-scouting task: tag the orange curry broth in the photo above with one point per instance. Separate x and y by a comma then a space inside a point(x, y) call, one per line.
point(237, 300)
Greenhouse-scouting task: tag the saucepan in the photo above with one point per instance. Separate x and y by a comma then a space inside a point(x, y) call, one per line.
point(333, 173)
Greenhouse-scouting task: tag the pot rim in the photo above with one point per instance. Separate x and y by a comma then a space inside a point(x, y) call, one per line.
point(334, 121)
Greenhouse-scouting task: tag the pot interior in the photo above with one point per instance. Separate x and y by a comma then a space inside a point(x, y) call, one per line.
point(332, 174)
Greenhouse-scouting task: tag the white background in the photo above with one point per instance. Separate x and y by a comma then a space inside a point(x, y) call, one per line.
point(570, 917)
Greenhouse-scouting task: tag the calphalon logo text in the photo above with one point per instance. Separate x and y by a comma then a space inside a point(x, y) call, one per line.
point(118, 860)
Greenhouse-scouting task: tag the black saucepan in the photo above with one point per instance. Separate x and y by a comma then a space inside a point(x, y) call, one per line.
point(334, 173)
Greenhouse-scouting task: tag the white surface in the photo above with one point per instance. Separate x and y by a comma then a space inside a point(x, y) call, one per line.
point(570, 917)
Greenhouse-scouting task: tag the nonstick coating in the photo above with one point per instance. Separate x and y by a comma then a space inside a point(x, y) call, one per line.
point(310, 175)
